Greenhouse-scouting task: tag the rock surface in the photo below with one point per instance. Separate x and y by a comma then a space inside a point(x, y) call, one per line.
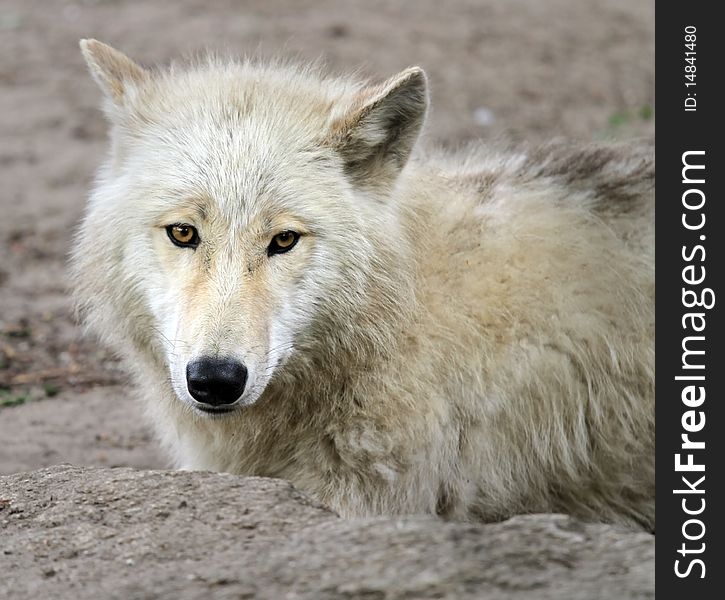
point(69, 532)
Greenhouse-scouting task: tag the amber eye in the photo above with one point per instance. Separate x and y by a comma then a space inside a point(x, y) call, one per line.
point(183, 235)
point(283, 242)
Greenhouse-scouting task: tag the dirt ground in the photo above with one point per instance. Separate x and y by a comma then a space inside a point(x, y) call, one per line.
point(123, 534)
point(511, 69)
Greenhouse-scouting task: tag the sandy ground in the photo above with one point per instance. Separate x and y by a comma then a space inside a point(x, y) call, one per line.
point(511, 69)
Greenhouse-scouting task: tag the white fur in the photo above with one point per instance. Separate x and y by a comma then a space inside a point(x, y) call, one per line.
point(470, 335)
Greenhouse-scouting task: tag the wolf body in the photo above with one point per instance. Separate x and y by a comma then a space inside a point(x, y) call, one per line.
point(469, 335)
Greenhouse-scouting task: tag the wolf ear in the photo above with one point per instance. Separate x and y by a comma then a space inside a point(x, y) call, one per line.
point(376, 136)
point(114, 72)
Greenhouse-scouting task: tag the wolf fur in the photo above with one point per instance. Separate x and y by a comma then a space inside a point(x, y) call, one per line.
point(468, 334)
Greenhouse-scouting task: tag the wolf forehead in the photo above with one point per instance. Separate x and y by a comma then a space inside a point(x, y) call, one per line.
point(260, 123)
point(226, 124)
point(241, 106)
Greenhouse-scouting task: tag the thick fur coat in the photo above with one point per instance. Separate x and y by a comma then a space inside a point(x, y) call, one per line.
point(469, 335)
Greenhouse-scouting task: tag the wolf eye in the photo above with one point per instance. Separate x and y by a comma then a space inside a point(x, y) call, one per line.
point(283, 242)
point(184, 236)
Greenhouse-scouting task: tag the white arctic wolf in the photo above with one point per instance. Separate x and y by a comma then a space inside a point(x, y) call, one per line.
point(301, 294)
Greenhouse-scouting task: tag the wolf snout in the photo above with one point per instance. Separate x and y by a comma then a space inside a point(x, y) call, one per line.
point(216, 381)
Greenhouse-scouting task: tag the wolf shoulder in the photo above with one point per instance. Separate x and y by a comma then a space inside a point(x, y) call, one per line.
point(482, 188)
point(513, 235)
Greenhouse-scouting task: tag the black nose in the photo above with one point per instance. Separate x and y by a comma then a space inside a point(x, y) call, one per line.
point(216, 381)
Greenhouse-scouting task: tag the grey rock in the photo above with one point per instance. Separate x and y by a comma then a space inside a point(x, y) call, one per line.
point(68, 532)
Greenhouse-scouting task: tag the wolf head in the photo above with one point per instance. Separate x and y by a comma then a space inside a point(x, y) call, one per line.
point(244, 228)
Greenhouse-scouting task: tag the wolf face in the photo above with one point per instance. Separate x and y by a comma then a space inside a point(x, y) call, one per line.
point(247, 196)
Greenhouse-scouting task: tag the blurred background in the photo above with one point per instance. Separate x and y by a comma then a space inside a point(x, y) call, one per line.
point(499, 69)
